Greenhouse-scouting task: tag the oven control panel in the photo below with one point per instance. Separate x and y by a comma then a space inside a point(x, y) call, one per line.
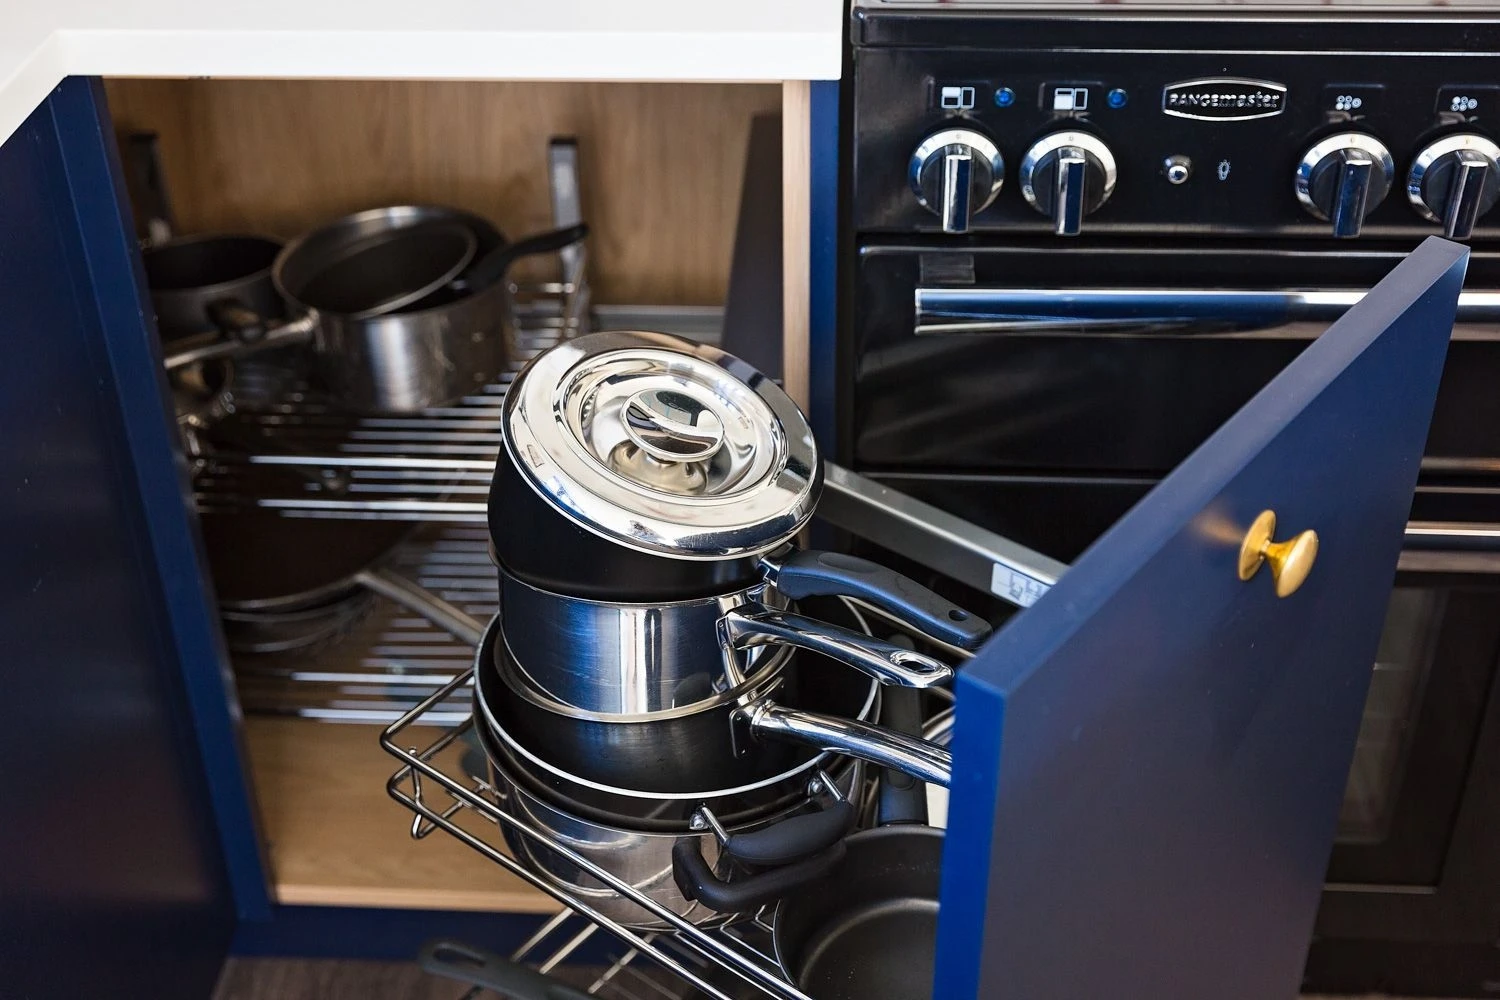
point(1328, 143)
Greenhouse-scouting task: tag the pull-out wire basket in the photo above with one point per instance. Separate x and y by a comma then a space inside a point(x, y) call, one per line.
point(436, 781)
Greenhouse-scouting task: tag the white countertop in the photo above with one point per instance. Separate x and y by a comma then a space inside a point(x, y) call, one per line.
point(42, 41)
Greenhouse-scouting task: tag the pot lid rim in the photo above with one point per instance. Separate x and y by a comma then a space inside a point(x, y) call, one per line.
point(748, 521)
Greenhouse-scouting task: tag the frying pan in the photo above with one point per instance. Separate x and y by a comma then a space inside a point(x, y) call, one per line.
point(867, 930)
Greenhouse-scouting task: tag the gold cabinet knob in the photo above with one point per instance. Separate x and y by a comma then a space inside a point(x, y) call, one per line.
point(1290, 560)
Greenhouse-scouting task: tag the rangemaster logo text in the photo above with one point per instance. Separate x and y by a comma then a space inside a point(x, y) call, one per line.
point(1224, 99)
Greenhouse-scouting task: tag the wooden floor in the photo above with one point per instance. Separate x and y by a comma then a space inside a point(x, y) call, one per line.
point(301, 979)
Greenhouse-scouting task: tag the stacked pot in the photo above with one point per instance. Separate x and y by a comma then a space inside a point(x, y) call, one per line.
point(655, 692)
point(393, 310)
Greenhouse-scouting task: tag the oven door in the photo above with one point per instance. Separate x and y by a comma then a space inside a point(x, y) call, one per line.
point(1427, 697)
point(1115, 360)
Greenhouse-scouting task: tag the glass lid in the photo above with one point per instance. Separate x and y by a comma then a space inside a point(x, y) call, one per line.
point(663, 445)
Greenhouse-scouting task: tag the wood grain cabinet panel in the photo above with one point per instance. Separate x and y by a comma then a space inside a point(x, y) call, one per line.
point(662, 162)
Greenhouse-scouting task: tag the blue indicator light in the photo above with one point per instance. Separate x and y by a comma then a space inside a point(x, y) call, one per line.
point(1004, 97)
point(1117, 98)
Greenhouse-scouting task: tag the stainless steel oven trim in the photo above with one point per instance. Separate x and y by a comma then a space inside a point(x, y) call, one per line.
point(1133, 312)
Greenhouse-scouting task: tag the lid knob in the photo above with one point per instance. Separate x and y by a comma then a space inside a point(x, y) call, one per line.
point(673, 425)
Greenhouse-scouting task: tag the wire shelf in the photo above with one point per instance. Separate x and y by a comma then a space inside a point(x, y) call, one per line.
point(389, 659)
point(432, 466)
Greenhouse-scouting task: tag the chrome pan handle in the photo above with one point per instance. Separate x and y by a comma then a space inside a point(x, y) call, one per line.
point(1138, 311)
point(884, 747)
point(753, 625)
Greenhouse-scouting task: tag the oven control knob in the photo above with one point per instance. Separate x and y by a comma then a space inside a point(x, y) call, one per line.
point(1067, 175)
point(1342, 178)
point(1455, 180)
point(955, 173)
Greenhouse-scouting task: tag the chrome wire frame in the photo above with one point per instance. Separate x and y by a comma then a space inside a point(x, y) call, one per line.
point(687, 952)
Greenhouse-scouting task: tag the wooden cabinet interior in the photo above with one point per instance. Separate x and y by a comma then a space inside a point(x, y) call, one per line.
point(333, 837)
point(661, 162)
point(662, 168)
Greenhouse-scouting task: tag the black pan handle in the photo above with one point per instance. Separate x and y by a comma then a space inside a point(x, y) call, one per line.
point(697, 881)
point(237, 320)
point(903, 799)
point(478, 967)
point(794, 838)
point(492, 267)
point(831, 574)
point(148, 187)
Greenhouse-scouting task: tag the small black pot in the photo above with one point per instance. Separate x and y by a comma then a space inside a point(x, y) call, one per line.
point(189, 274)
point(536, 543)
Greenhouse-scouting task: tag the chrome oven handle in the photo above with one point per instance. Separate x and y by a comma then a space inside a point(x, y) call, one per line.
point(1451, 536)
point(1133, 311)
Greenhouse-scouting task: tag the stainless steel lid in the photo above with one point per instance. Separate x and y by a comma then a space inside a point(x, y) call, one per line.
point(663, 445)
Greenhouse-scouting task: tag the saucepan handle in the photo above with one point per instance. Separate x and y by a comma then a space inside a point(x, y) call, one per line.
point(238, 321)
point(903, 799)
point(792, 839)
point(754, 625)
point(241, 331)
point(792, 852)
point(478, 967)
point(895, 751)
point(492, 266)
point(697, 881)
point(812, 573)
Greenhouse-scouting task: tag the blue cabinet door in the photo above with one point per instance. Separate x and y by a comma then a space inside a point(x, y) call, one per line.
point(1149, 762)
point(113, 878)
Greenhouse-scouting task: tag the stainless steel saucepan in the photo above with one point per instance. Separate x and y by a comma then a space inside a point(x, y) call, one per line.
point(406, 307)
point(613, 658)
point(739, 738)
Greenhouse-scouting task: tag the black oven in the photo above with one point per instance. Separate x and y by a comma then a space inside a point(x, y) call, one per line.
point(1033, 357)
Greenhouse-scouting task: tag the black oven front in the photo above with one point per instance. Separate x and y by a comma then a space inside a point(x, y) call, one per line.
point(1075, 245)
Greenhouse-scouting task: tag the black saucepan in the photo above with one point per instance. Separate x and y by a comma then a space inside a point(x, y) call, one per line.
point(628, 791)
point(190, 275)
point(641, 468)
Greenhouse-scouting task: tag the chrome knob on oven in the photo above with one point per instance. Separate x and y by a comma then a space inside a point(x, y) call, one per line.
point(955, 173)
point(1455, 180)
point(1342, 178)
point(1067, 175)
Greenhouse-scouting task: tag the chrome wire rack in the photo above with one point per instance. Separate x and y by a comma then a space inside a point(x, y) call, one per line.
point(389, 659)
point(731, 961)
point(432, 466)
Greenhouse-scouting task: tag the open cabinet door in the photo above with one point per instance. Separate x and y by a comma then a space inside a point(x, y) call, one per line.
point(1148, 763)
point(113, 875)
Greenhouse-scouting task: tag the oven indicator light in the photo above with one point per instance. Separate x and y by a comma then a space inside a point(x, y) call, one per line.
point(1004, 97)
point(1117, 98)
